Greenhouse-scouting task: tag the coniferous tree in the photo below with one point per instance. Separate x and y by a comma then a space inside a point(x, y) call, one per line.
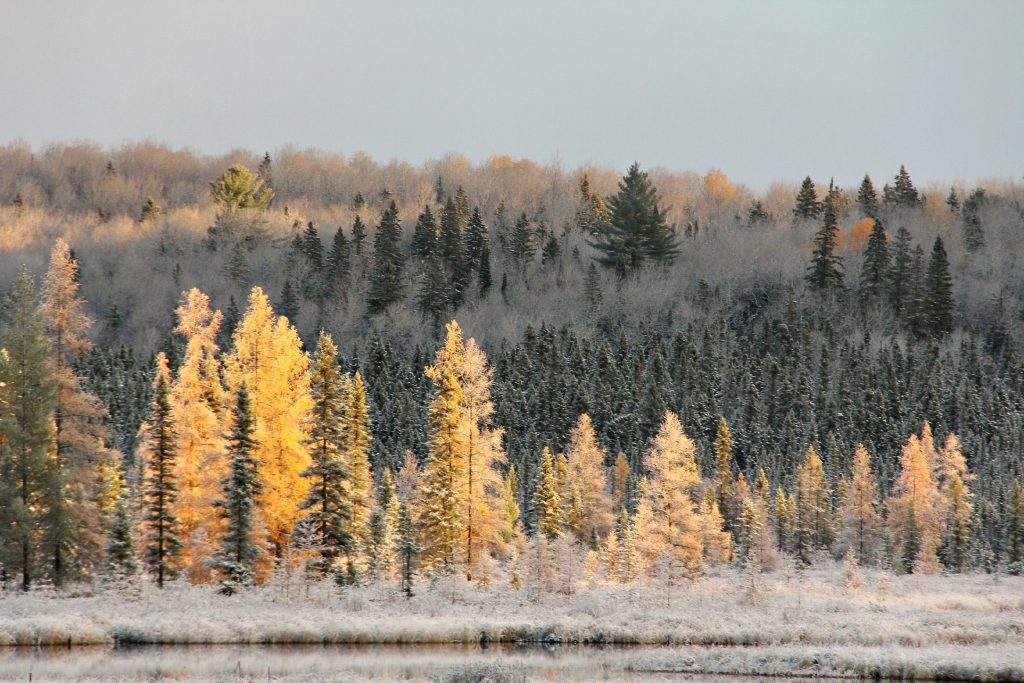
point(432, 299)
point(475, 237)
point(407, 547)
point(938, 294)
point(952, 201)
point(338, 267)
point(150, 211)
point(587, 472)
point(450, 248)
point(388, 263)
point(904, 194)
point(547, 505)
point(122, 563)
point(915, 514)
point(900, 275)
point(424, 235)
point(358, 235)
point(159, 492)
point(329, 516)
point(867, 198)
point(239, 550)
point(758, 215)
point(521, 243)
point(723, 471)
point(825, 274)
point(807, 205)
point(814, 514)
point(551, 250)
point(874, 270)
point(970, 216)
point(636, 231)
point(483, 272)
point(356, 442)
point(288, 306)
point(861, 531)
point(28, 393)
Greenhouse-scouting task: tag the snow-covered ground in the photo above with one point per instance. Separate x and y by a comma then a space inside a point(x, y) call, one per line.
point(786, 623)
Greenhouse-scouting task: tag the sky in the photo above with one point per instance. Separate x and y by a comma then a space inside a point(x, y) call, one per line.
point(762, 90)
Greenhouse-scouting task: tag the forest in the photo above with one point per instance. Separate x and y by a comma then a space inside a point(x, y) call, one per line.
point(218, 369)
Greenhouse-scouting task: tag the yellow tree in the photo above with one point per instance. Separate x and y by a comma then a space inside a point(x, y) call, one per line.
point(859, 513)
point(813, 507)
point(723, 472)
point(74, 533)
point(197, 401)
point(268, 358)
point(671, 525)
point(915, 508)
point(356, 438)
point(589, 478)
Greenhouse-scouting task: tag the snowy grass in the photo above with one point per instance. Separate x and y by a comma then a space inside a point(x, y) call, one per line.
point(788, 624)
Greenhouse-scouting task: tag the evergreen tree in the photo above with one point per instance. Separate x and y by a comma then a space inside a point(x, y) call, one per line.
point(356, 442)
point(900, 275)
point(388, 263)
point(408, 548)
point(475, 237)
point(329, 511)
point(874, 270)
point(449, 243)
point(424, 235)
point(547, 505)
point(970, 215)
point(461, 208)
point(956, 540)
point(265, 170)
point(288, 306)
point(952, 201)
point(432, 299)
point(807, 205)
point(28, 394)
point(904, 194)
point(150, 211)
point(239, 188)
point(723, 471)
point(239, 550)
point(867, 198)
point(521, 244)
point(825, 274)
point(938, 296)
point(338, 268)
point(758, 215)
point(483, 273)
point(637, 231)
point(358, 235)
point(551, 251)
point(121, 561)
point(162, 541)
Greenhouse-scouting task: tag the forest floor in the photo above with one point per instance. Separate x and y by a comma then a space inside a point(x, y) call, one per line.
point(788, 623)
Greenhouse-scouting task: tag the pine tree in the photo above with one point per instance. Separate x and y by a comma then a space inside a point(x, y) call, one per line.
point(587, 472)
point(861, 531)
point(358, 235)
point(239, 549)
point(758, 215)
point(432, 299)
point(388, 263)
point(162, 542)
point(329, 516)
point(121, 560)
point(521, 244)
point(268, 359)
point(938, 298)
point(956, 540)
point(288, 306)
point(424, 235)
point(807, 205)
point(28, 393)
point(547, 505)
point(239, 188)
point(637, 231)
point(551, 250)
point(475, 237)
point(899, 281)
point(451, 252)
point(867, 198)
point(74, 539)
point(874, 270)
point(407, 548)
point(338, 268)
point(904, 194)
point(825, 274)
point(814, 513)
point(483, 272)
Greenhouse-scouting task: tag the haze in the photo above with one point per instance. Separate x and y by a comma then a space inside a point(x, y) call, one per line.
point(765, 91)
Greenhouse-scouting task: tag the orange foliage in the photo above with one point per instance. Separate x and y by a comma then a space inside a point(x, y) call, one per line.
point(717, 186)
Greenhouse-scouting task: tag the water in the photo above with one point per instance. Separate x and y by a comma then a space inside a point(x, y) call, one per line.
point(455, 663)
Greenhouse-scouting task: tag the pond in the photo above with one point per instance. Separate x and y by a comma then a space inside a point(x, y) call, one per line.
point(317, 664)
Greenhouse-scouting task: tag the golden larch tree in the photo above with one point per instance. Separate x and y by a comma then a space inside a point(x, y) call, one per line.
point(861, 524)
point(589, 478)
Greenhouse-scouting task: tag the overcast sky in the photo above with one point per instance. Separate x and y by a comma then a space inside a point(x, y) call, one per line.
point(763, 90)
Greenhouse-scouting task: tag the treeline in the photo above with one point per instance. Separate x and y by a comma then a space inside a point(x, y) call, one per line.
point(260, 457)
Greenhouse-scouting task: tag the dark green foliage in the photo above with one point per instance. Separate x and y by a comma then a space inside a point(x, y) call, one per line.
point(432, 299)
point(329, 518)
point(867, 198)
point(265, 170)
point(28, 395)
point(903, 194)
point(388, 263)
point(236, 557)
point(288, 305)
point(758, 215)
point(150, 211)
point(521, 245)
point(825, 274)
point(900, 275)
point(359, 234)
point(637, 232)
point(952, 201)
point(938, 298)
point(970, 215)
point(121, 561)
point(424, 235)
point(450, 248)
point(551, 251)
point(807, 205)
point(407, 548)
point(483, 271)
point(162, 543)
point(874, 270)
point(475, 237)
point(338, 268)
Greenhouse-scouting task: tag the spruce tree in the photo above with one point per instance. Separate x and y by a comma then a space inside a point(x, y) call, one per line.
point(407, 547)
point(521, 243)
point(475, 237)
point(432, 299)
point(449, 242)
point(338, 267)
point(162, 542)
point(636, 232)
point(388, 263)
point(807, 205)
point(358, 235)
point(288, 306)
point(874, 270)
point(825, 274)
point(938, 298)
point(483, 272)
point(551, 251)
point(899, 280)
point(904, 194)
point(329, 510)
point(953, 201)
point(970, 215)
point(758, 215)
point(461, 208)
point(239, 550)
point(28, 393)
point(121, 561)
point(867, 198)
point(424, 235)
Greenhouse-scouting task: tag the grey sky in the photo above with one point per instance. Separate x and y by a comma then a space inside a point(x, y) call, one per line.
point(763, 90)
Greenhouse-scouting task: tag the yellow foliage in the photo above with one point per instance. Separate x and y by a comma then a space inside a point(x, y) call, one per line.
point(860, 232)
point(717, 187)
